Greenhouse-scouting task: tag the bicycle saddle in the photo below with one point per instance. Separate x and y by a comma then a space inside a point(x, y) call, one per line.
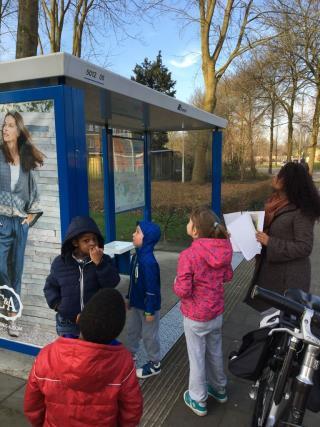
point(309, 300)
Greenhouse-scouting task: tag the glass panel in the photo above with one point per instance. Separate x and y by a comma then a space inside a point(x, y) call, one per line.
point(126, 223)
point(173, 192)
point(95, 174)
point(128, 161)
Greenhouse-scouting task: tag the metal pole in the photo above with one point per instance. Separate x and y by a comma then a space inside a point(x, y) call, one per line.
point(182, 178)
point(216, 171)
point(147, 176)
point(109, 196)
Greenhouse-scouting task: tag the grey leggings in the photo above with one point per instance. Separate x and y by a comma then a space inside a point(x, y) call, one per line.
point(204, 344)
point(139, 328)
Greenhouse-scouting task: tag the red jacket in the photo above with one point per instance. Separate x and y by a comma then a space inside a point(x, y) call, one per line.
point(76, 383)
point(202, 270)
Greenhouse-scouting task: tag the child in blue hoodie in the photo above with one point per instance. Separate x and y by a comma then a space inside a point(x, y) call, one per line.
point(144, 299)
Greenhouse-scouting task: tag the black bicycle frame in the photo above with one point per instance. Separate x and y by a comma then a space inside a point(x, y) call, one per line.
point(285, 370)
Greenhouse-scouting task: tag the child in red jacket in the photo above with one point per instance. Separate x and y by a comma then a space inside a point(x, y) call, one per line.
point(90, 381)
point(202, 270)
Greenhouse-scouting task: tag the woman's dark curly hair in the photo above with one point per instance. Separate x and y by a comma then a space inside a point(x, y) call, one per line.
point(300, 189)
point(30, 156)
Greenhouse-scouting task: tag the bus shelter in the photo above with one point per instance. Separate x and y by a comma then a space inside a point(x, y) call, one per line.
point(89, 122)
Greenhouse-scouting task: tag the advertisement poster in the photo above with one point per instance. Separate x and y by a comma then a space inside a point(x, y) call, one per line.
point(128, 174)
point(30, 235)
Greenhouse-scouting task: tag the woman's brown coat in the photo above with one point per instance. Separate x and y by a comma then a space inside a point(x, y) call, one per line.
point(285, 262)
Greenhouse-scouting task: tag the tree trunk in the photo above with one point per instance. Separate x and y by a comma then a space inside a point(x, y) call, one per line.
point(27, 31)
point(290, 136)
point(242, 150)
point(199, 165)
point(251, 145)
point(210, 101)
point(315, 131)
point(271, 136)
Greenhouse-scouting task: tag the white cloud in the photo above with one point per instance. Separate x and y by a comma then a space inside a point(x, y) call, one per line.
point(187, 60)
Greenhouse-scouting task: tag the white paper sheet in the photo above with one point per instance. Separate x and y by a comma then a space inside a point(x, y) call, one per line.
point(228, 219)
point(243, 233)
point(258, 219)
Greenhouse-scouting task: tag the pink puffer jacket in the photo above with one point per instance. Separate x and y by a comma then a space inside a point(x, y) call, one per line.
point(202, 270)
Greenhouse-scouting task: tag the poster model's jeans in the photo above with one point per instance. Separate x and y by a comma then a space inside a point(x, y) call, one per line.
point(204, 344)
point(13, 239)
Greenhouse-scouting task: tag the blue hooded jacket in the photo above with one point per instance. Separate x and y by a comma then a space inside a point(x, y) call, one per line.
point(144, 288)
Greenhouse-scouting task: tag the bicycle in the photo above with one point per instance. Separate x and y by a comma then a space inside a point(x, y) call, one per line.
point(289, 360)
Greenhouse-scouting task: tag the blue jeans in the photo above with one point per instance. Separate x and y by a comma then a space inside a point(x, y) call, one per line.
point(13, 240)
point(66, 326)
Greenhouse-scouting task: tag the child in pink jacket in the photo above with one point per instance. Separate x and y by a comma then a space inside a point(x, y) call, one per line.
point(202, 270)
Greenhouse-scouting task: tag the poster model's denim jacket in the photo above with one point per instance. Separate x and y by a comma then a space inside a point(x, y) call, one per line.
point(24, 199)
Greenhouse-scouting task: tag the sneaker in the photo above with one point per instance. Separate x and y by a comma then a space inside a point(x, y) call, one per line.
point(13, 329)
point(199, 408)
point(149, 369)
point(220, 396)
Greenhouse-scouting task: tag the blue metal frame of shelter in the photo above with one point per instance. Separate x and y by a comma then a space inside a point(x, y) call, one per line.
point(71, 160)
point(216, 171)
point(147, 176)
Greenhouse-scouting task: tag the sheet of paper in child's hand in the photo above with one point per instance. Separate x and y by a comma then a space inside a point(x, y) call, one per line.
point(243, 233)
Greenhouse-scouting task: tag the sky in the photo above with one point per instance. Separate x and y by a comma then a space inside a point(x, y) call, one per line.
point(180, 54)
point(179, 45)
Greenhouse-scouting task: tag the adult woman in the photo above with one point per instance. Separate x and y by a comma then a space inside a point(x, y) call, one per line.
point(19, 200)
point(287, 239)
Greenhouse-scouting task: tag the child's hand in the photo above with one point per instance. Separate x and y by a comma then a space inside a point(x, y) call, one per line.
point(149, 317)
point(96, 254)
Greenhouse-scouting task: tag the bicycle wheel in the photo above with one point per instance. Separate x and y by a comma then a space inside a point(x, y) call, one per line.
point(264, 398)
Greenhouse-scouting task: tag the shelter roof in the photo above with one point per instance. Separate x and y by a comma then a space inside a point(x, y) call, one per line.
point(109, 97)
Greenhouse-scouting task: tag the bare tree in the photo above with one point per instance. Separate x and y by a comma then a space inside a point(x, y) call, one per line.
point(54, 13)
point(90, 19)
point(300, 20)
point(266, 76)
point(80, 16)
point(241, 101)
point(27, 31)
point(227, 30)
point(8, 13)
point(6, 9)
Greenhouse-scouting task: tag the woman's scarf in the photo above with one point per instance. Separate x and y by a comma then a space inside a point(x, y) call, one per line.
point(273, 205)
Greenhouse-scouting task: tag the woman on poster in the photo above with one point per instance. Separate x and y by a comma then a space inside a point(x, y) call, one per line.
point(19, 200)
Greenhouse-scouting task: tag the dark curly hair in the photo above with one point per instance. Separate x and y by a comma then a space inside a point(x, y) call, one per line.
point(103, 317)
point(300, 189)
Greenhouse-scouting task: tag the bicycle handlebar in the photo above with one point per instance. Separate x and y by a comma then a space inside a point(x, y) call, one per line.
point(283, 303)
